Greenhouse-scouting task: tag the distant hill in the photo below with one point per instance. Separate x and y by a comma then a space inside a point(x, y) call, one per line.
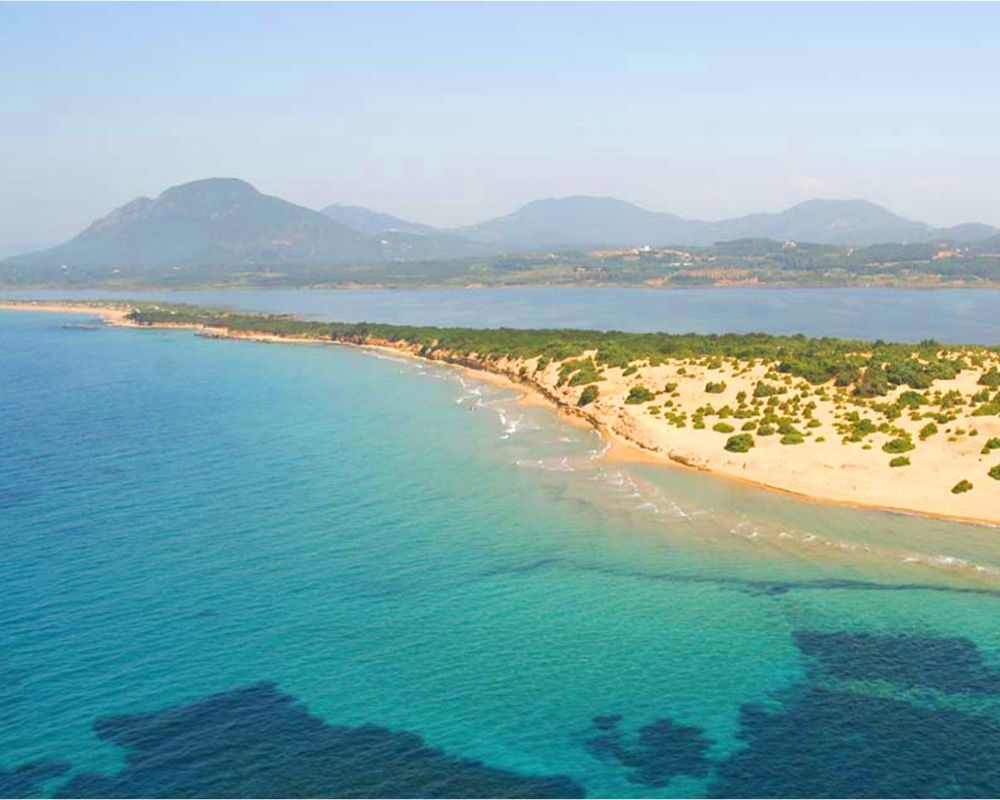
point(969, 233)
point(991, 245)
point(372, 223)
point(856, 222)
point(218, 222)
point(400, 239)
point(221, 227)
point(585, 222)
point(593, 221)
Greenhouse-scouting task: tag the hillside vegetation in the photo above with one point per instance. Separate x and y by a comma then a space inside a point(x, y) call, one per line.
point(871, 368)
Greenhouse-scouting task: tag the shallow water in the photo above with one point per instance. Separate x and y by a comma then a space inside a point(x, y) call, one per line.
point(948, 315)
point(284, 564)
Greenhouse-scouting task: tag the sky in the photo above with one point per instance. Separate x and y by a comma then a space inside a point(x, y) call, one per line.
point(450, 113)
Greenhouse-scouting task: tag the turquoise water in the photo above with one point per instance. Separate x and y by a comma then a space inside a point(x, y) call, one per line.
point(236, 569)
point(948, 315)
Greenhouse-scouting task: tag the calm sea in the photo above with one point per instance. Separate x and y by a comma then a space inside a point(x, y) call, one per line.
point(948, 315)
point(236, 569)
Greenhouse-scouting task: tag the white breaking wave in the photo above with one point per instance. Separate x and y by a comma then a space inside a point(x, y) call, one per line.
point(562, 465)
point(600, 452)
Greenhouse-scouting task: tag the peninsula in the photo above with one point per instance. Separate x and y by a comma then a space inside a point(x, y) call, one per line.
point(904, 427)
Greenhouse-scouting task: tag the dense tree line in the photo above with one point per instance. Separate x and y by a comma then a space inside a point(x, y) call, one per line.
point(873, 368)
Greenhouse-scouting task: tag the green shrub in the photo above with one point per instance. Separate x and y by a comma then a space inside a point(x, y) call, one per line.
point(993, 443)
point(900, 461)
point(874, 368)
point(579, 372)
point(587, 396)
point(715, 388)
point(911, 399)
point(639, 394)
point(994, 472)
point(723, 427)
point(990, 378)
point(928, 430)
point(961, 487)
point(794, 437)
point(740, 443)
point(899, 445)
point(670, 387)
point(874, 382)
point(765, 430)
point(952, 399)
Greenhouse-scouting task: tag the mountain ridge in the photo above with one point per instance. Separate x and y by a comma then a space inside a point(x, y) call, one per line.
point(202, 223)
point(595, 221)
point(227, 225)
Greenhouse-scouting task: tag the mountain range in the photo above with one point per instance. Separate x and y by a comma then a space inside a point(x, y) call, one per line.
point(226, 225)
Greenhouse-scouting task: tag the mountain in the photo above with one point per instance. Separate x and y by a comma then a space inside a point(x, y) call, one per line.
point(991, 245)
point(570, 222)
point(372, 223)
point(856, 222)
point(400, 239)
point(584, 222)
point(219, 222)
point(969, 233)
point(224, 227)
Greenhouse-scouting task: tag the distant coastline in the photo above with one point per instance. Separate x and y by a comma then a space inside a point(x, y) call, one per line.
point(726, 411)
point(220, 231)
point(656, 285)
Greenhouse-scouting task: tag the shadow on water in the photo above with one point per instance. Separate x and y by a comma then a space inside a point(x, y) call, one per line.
point(839, 733)
point(828, 740)
point(826, 743)
point(662, 749)
point(258, 742)
point(28, 779)
point(756, 587)
point(948, 664)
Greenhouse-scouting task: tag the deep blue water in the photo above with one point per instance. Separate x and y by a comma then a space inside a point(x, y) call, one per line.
point(235, 569)
point(948, 315)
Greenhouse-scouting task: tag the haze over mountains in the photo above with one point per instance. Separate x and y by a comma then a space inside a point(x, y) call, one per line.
point(226, 224)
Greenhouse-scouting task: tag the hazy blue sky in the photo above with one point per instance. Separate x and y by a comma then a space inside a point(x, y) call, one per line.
point(450, 113)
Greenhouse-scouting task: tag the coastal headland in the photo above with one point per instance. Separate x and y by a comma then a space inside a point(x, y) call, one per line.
point(899, 427)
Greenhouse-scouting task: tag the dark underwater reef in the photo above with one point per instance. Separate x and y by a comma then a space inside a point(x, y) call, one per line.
point(851, 729)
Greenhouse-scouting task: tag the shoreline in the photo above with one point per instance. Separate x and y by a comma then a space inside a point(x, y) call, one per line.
point(463, 287)
point(622, 447)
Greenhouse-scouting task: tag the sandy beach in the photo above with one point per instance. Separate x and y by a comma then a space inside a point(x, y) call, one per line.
point(824, 466)
point(111, 314)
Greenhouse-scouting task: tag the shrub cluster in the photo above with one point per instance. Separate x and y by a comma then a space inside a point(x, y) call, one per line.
point(740, 443)
point(899, 445)
point(872, 368)
point(587, 396)
point(639, 394)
